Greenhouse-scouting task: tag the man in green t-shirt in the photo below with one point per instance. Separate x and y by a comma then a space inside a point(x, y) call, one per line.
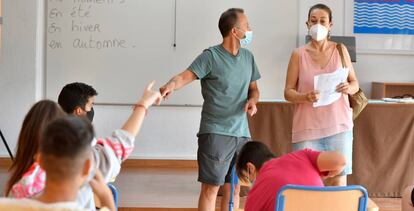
point(228, 75)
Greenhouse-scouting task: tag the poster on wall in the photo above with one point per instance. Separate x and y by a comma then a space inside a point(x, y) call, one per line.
point(384, 17)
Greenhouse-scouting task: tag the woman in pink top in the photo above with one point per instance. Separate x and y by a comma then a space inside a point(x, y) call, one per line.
point(327, 127)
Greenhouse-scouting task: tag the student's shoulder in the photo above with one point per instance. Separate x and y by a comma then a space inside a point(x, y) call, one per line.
point(31, 204)
point(304, 150)
point(17, 204)
point(307, 151)
point(310, 154)
point(304, 153)
point(276, 164)
point(4, 200)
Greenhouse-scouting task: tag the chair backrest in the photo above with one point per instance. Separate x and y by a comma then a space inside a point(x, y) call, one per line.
point(299, 198)
point(114, 193)
point(234, 181)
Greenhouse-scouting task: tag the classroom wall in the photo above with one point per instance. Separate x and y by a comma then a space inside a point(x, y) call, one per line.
point(20, 70)
point(168, 132)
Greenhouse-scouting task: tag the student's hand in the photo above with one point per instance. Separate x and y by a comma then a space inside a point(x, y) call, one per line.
point(343, 88)
point(167, 89)
point(331, 163)
point(332, 174)
point(250, 108)
point(150, 96)
point(312, 96)
point(102, 191)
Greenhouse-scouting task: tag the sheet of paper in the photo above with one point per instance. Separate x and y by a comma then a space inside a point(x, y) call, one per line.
point(326, 84)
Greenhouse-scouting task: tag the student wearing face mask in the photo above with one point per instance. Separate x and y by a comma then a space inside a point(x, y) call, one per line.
point(228, 75)
point(328, 127)
point(78, 98)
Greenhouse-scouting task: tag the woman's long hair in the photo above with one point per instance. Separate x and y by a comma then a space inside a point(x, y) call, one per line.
point(35, 121)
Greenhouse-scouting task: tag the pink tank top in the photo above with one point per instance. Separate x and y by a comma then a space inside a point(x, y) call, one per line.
point(311, 123)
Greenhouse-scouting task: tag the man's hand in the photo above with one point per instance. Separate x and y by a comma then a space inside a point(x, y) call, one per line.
point(250, 108)
point(167, 89)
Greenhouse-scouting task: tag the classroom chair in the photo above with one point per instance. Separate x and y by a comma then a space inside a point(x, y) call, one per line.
point(114, 193)
point(341, 198)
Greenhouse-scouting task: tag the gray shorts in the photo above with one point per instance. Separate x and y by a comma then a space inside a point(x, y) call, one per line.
point(216, 156)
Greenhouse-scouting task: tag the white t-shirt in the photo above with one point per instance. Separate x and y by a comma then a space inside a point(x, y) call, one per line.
point(7, 204)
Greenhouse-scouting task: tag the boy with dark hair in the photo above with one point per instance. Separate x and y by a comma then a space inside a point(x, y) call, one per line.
point(256, 164)
point(66, 157)
point(78, 99)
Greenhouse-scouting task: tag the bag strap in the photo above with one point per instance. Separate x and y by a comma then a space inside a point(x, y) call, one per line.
point(339, 47)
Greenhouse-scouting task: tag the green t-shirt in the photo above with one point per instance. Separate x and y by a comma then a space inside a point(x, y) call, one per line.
point(225, 81)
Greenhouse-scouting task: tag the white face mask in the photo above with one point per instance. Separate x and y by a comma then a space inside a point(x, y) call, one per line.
point(247, 39)
point(318, 32)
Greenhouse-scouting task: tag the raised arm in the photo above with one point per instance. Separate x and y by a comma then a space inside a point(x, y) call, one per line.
point(177, 82)
point(111, 151)
point(134, 122)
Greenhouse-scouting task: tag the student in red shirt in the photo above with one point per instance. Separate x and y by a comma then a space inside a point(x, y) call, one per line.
point(256, 164)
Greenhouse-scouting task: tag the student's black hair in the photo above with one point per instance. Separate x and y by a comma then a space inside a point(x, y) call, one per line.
point(254, 152)
point(74, 95)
